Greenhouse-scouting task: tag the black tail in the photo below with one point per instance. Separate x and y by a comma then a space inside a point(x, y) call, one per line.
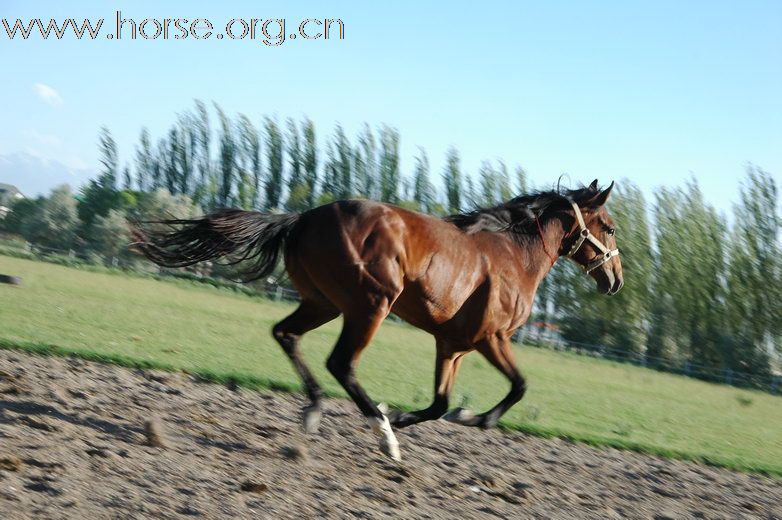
point(248, 236)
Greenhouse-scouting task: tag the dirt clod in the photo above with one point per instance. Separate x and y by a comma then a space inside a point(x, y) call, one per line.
point(10, 463)
point(490, 480)
point(39, 424)
point(10, 389)
point(99, 452)
point(250, 486)
point(41, 486)
point(79, 394)
point(153, 430)
point(294, 452)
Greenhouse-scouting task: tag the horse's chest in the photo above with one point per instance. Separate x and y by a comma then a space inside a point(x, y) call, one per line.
point(511, 306)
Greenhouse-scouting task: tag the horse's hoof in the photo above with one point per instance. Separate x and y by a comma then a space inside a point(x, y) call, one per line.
point(399, 419)
point(391, 449)
point(388, 443)
point(489, 422)
point(459, 416)
point(310, 418)
point(393, 414)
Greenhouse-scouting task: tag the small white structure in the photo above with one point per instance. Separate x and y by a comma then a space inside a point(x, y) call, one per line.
point(8, 194)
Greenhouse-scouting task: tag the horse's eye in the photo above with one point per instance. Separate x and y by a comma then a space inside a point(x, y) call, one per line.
point(611, 231)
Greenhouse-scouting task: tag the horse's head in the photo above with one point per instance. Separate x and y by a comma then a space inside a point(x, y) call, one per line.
point(591, 242)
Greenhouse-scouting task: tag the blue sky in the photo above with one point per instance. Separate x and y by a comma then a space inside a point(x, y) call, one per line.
point(652, 91)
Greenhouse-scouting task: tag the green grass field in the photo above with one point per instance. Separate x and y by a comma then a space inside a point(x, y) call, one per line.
point(221, 335)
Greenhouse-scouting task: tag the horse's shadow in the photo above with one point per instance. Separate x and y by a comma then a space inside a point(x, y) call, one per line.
point(124, 432)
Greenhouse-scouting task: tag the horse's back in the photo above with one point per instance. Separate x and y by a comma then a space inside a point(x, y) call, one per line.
point(357, 246)
point(365, 230)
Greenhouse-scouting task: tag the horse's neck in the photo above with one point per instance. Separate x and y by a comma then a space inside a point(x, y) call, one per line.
point(539, 257)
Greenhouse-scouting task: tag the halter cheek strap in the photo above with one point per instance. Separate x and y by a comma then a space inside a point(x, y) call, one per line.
point(585, 235)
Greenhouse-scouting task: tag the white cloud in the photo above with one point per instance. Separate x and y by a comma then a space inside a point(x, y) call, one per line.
point(48, 94)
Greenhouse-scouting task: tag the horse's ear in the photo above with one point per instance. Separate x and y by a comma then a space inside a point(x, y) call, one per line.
point(593, 186)
point(601, 198)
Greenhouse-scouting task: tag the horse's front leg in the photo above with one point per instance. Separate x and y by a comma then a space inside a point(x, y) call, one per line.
point(497, 350)
point(445, 370)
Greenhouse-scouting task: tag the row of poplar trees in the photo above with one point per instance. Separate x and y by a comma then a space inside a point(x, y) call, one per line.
point(281, 166)
point(702, 287)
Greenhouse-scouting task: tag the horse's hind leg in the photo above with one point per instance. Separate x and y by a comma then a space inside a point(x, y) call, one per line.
point(309, 315)
point(497, 351)
point(357, 332)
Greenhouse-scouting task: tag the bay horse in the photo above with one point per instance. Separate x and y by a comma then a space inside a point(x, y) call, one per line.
point(468, 279)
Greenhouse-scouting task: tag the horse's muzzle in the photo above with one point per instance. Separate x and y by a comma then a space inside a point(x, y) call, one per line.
point(607, 282)
point(617, 285)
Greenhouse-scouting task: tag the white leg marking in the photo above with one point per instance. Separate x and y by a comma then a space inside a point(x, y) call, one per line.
point(388, 443)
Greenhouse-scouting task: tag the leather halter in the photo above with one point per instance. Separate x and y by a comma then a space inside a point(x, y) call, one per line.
point(585, 235)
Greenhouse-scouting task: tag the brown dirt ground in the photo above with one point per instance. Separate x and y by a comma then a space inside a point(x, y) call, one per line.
point(73, 444)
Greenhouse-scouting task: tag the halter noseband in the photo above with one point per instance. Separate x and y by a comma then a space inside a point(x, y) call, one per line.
point(585, 235)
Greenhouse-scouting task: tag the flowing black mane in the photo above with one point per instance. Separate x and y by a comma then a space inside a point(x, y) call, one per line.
point(515, 214)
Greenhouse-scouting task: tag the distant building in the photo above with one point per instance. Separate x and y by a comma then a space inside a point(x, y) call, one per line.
point(8, 194)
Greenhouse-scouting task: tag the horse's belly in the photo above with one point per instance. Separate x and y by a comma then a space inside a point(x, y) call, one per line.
point(454, 313)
